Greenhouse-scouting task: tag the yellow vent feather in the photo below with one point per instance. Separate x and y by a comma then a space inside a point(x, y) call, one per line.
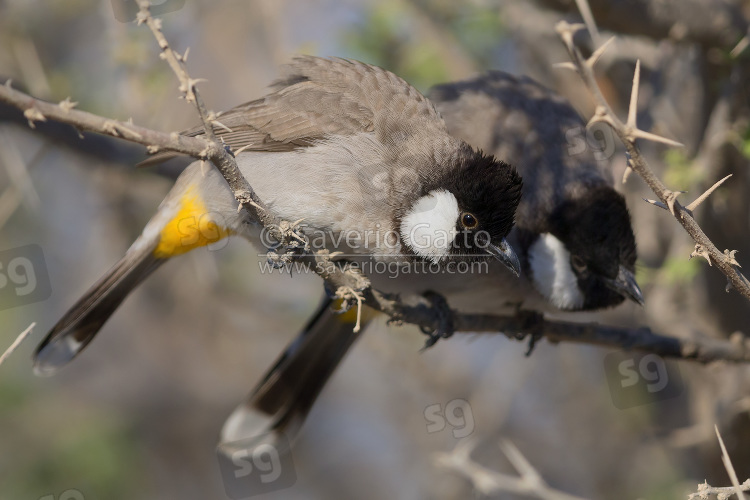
point(191, 228)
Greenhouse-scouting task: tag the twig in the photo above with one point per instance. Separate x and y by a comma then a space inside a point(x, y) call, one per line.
point(729, 467)
point(588, 18)
point(13, 197)
point(16, 343)
point(283, 231)
point(741, 46)
point(521, 326)
point(215, 151)
point(724, 492)
point(490, 482)
point(628, 133)
point(43, 110)
point(712, 24)
point(721, 492)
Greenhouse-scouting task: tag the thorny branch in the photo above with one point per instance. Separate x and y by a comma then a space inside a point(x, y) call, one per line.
point(722, 493)
point(488, 482)
point(628, 132)
point(214, 151)
point(351, 285)
point(530, 483)
point(286, 233)
point(535, 326)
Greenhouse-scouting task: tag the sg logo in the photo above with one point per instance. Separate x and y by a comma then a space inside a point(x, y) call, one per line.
point(255, 466)
point(598, 138)
point(457, 413)
point(636, 380)
point(23, 277)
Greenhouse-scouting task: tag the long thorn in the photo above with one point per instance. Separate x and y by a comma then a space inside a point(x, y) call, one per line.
point(598, 53)
point(656, 203)
point(729, 467)
point(656, 138)
point(705, 195)
point(588, 18)
point(633, 110)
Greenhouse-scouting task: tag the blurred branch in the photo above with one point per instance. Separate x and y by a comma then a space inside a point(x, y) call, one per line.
point(628, 132)
point(490, 482)
point(17, 342)
point(13, 196)
point(63, 134)
point(36, 110)
point(712, 23)
point(723, 493)
point(18, 171)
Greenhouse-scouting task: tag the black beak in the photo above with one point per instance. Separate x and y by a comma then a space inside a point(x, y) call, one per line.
point(505, 254)
point(626, 286)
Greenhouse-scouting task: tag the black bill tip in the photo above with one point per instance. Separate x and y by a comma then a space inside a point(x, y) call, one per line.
point(505, 254)
point(626, 286)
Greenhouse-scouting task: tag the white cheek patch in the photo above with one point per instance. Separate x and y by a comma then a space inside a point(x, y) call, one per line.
point(551, 272)
point(429, 227)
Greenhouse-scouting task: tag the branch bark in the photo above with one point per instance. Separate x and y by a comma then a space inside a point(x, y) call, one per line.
point(535, 326)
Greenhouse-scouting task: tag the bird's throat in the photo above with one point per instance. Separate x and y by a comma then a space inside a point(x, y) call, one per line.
point(551, 273)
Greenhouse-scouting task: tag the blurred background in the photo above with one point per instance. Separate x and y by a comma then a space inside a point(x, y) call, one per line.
point(139, 413)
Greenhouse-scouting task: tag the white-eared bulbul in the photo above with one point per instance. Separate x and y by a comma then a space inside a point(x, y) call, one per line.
point(353, 150)
point(573, 236)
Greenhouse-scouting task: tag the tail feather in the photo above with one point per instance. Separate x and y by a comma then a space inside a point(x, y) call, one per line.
point(82, 321)
point(282, 399)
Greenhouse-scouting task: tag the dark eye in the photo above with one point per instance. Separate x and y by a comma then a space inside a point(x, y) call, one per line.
point(468, 220)
point(578, 264)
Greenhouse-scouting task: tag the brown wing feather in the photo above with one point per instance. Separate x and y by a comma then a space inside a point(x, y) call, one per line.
point(317, 97)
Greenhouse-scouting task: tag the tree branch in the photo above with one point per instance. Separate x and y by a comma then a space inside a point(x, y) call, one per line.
point(723, 493)
point(535, 326)
point(214, 151)
point(488, 482)
point(711, 23)
point(628, 133)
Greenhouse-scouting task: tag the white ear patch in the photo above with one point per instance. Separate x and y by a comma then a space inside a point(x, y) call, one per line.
point(551, 272)
point(429, 227)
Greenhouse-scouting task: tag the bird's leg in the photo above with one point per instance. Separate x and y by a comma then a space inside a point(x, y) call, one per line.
point(444, 316)
point(530, 322)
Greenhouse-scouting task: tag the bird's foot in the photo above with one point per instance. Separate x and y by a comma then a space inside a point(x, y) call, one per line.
point(444, 318)
point(530, 322)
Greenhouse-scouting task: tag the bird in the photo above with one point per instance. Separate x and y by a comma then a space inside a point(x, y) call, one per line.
point(353, 150)
point(573, 235)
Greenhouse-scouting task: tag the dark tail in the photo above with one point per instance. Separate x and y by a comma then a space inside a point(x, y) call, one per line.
point(282, 399)
point(82, 321)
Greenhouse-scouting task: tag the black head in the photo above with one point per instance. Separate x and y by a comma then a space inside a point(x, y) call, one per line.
point(475, 200)
point(596, 230)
